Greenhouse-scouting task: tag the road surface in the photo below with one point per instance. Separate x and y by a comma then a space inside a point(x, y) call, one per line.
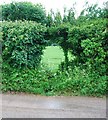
point(32, 106)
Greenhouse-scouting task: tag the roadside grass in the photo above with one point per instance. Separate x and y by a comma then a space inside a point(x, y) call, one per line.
point(53, 56)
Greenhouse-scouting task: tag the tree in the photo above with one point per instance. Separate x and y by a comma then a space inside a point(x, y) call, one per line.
point(57, 19)
point(71, 16)
point(91, 12)
point(50, 19)
point(23, 11)
point(65, 19)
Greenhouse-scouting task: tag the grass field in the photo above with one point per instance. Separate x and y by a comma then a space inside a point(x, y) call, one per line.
point(53, 56)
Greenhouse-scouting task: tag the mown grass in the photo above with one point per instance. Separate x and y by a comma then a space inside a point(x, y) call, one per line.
point(53, 56)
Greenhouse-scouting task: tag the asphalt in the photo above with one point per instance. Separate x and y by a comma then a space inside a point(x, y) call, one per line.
point(32, 106)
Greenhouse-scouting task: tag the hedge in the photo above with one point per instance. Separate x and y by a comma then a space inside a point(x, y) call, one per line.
point(88, 42)
point(23, 43)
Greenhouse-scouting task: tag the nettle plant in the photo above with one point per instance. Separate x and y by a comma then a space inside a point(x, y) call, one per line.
point(23, 43)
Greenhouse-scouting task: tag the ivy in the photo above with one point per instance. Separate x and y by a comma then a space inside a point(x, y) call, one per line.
point(23, 43)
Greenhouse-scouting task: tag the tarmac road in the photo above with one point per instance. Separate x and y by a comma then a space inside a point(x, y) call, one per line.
point(32, 106)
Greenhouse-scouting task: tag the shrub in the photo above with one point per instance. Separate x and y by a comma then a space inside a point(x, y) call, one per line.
point(23, 43)
point(43, 81)
point(88, 42)
point(27, 80)
point(24, 11)
point(80, 82)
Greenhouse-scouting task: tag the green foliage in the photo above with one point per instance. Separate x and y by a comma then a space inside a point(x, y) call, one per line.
point(94, 53)
point(71, 16)
point(35, 81)
point(60, 34)
point(81, 82)
point(23, 43)
point(93, 11)
point(49, 21)
point(23, 11)
point(46, 82)
point(57, 19)
point(88, 43)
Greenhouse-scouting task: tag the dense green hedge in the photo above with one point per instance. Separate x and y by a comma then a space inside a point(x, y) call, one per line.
point(23, 43)
point(88, 42)
point(91, 38)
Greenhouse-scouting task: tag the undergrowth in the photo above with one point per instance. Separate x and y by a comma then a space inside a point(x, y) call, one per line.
point(43, 81)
